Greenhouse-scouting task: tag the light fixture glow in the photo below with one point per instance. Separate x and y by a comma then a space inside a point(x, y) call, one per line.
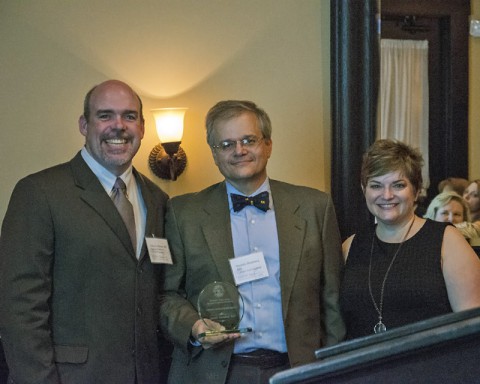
point(169, 123)
point(168, 160)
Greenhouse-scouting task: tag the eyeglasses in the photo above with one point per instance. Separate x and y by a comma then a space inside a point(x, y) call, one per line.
point(227, 146)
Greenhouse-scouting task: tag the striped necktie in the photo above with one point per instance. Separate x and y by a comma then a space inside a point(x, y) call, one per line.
point(125, 208)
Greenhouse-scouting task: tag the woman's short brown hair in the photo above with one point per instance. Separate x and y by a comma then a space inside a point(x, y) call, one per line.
point(385, 156)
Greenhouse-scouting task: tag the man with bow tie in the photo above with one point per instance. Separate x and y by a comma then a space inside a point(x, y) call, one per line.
point(291, 305)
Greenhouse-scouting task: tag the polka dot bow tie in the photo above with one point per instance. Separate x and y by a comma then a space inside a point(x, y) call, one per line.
point(261, 201)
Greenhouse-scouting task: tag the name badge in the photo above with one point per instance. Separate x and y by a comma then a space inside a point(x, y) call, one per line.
point(158, 250)
point(249, 268)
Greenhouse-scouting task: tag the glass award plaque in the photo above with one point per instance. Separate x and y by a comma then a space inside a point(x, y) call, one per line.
point(222, 303)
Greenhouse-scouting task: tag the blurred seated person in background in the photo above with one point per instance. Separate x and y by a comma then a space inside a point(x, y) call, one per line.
point(471, 197)
point(450, 207)
point(455, 184)
point(405, 268)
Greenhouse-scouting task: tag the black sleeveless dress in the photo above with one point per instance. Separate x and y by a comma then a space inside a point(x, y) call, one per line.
point(414, 290)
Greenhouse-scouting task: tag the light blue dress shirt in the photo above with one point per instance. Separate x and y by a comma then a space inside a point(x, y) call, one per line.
point(256, 231)
point(107, 179)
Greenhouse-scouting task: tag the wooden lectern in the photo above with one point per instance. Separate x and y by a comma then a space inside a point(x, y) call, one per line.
point(444, 349)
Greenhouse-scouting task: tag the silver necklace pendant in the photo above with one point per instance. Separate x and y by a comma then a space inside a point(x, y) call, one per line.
point(380, 327)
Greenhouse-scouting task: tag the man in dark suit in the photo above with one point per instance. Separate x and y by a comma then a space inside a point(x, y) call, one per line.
point(292, 306)
point(79, 295)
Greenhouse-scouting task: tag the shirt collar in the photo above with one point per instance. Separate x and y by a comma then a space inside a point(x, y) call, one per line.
point(106, 178)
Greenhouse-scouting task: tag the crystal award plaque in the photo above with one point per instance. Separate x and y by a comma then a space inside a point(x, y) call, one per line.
point(222, 303)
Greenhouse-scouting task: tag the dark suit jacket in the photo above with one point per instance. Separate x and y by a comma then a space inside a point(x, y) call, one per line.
point(75, 304)
point(199, 235)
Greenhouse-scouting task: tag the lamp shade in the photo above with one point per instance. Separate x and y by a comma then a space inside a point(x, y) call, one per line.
point(169, 123)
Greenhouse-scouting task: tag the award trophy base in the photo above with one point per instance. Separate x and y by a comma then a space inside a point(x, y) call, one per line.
point(214, 333)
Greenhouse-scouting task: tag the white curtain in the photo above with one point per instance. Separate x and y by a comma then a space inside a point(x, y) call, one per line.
point(403, 110)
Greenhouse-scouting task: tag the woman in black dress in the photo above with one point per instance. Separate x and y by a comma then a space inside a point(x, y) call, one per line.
point(405, 268)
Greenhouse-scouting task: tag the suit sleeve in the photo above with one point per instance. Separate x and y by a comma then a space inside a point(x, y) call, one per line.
point(26, 260)
point(177, 314)
point(333, 268)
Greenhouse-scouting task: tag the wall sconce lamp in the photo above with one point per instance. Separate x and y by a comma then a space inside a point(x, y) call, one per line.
point(167, 160)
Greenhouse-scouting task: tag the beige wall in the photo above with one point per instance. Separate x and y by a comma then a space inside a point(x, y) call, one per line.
point(185, 53)
point(175, 53)
point(474, 101)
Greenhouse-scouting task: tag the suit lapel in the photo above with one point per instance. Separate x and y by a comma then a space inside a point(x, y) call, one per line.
point(152, 212)
point(291, 233)
point(95, 196)
point(217, 231)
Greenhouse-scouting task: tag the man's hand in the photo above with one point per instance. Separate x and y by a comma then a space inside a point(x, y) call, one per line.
point(207, 325)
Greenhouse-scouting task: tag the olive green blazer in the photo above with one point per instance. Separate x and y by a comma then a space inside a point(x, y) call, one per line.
point(199, 235)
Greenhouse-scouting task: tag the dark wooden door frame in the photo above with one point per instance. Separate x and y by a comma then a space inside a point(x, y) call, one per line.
point(446, 23)
point(354, 89)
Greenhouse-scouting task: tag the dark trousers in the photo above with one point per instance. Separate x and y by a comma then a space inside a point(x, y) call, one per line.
point(256, 367)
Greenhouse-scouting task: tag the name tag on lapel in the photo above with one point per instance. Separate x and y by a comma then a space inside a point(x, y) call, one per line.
point(158, 250)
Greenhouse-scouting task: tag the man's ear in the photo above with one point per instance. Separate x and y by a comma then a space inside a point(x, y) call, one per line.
point(82, 125)
point(142, 129)
point(214, 154)
point(268, 144)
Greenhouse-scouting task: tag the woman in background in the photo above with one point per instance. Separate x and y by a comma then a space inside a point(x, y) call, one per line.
point(405, 268)
point(454, 184)
point(471, 197)
point(449, 207)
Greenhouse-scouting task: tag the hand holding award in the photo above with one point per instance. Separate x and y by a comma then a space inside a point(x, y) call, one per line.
point(221, 308)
